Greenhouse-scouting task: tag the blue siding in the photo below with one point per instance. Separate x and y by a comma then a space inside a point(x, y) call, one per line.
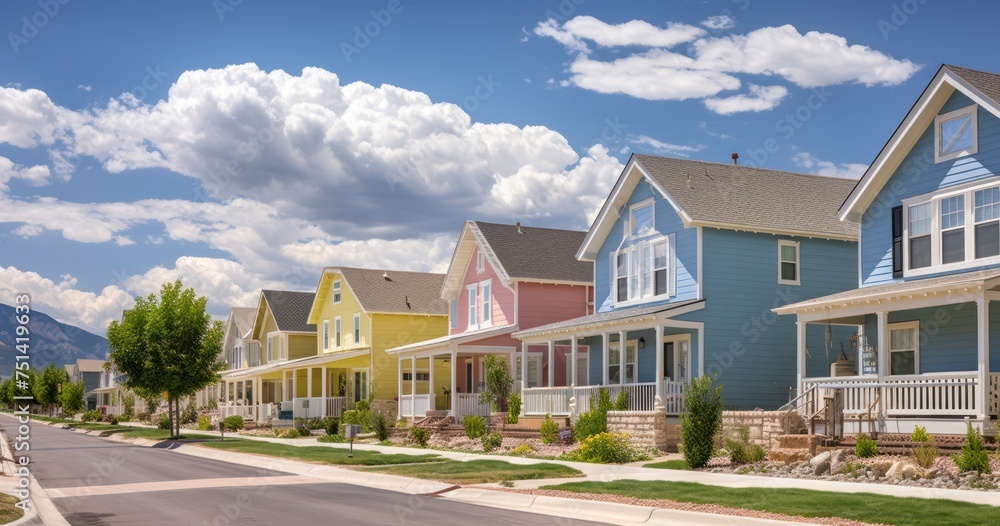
point(748, 346)
point(647, 356)
point(918, 175)
point(667, 221)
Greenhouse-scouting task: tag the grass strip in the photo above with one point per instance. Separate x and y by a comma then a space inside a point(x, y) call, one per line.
point(863, 507)
point(669, 464)
point(319, 454)
point(8, 511)
point(480, 471)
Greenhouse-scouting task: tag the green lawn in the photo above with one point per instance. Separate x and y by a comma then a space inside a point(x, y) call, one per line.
point(49, 419)
point(161, 434)
point(318, 454)
point(8, 511)
point(863, 507)
point(97, 426)
point(669, 464)
point(480, 471)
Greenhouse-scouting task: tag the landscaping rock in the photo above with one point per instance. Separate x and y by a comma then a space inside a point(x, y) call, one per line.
point(910, 472)
point(821, 468)
point(895, 472)
point(880, 469)
point(820, 459)
point(790, 456)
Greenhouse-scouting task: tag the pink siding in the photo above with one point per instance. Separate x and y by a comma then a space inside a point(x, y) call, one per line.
point(540, 303)
point(503, 298)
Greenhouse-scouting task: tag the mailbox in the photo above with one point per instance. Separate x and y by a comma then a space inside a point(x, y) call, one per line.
point(352, 431)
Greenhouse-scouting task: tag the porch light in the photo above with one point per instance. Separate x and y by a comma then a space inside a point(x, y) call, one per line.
point(642, 342)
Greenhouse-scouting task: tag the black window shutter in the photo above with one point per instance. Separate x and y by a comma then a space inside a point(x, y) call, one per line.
point(897, 242)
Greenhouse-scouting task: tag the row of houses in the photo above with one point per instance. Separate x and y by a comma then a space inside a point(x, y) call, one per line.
point(789, 288)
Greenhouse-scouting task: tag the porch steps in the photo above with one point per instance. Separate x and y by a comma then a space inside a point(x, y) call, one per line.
point(795, 448)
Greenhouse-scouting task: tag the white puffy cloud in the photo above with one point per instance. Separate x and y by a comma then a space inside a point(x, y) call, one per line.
point(63, 301)
point(713, 65)
point(37, 175)
point(666, 148)
point(810, 163)
point(761, 98)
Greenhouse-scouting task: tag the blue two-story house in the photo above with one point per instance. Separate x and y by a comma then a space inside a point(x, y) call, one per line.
point(929, 262)
point(689, 259)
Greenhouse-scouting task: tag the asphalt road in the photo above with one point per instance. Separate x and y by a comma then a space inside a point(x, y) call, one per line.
point(96, 482)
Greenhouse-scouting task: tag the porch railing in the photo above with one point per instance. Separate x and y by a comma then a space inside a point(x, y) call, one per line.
point(335, 406)
point(672, 397)
point(415, 405)
point(640, 396)
point(994, 394)
point(468, 404)
point(318, 407)
point(546, 400)
point(933, 394)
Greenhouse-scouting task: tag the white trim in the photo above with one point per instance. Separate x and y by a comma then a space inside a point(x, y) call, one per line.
point(937, 92)
point(594, 328)
point(480, 261)
point(482, 300)
point(326, 335)
point(634, 343)
point(338, 331)
point(950, 116)
point(700, 267)
point(521, 371)
point(798, 262)
point(915, 325)
point(472, 307)
point(774, 231)
point(356, 333)
point(677, 339)
point(335, 292)
point(580, 356)
point(629, 252)
point(649, 202)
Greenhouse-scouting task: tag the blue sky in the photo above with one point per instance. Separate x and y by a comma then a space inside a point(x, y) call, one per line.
point(241, 145)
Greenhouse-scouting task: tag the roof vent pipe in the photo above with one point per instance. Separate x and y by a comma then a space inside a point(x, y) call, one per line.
point(518, 225)
point(736, 158)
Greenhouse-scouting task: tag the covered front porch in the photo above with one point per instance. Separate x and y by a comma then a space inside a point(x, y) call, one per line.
point(446, 375)
point(644, 351)
point(902, 355)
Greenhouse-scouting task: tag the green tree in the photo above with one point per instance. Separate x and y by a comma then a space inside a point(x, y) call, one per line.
point(167, 344)
point(71, 398)
point(7, 392)
point(498, 383)
point(46, 388)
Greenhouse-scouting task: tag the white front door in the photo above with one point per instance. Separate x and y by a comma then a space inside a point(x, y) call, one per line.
point(582, 369)
point(676, 357)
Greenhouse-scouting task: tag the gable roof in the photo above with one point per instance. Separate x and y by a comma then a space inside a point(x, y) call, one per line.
point(519, 252)
point(243, 318)
point(724, 195)
point(290, 310)
point(386, 291)
point(982, 87)
point(86, 365)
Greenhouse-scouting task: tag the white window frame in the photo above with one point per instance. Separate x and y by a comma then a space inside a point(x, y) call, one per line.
point(950, 116)
point(798, 262)
point(357, 328)
point(473, 305)
point(635, 363)
point(631, 215)
point(580, 357)
point(453, 314)
point(637, 250)
point(533, 356)
point(487, 313)
point(915, 325)
point(480, 261)
point(423, 375)
point(338, 291)
point(338, 332)
point(270, 348)
point(934, 198)
point(326, 335)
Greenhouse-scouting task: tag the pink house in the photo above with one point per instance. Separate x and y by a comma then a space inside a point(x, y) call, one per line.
point(502, 278)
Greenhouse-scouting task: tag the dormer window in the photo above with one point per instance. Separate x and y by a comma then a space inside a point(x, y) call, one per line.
point(641, 219)
point(955, 134)
point(480, 261)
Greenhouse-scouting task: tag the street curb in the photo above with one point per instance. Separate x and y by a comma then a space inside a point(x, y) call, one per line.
point(39, 500)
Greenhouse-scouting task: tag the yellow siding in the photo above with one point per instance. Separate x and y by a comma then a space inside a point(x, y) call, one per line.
point(393, 330)
point(346, 309)
point(301, 346)
point(268, 327)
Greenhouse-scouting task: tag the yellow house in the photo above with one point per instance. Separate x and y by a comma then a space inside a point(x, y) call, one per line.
point(358, 314)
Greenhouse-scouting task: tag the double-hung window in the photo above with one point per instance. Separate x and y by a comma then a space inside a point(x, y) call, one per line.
point(326, 334)
point(987, 219)
point(357, 328)
point(337, 333)
point(487, 294)
point(904, 348)
point(614, 363)
point(788, 262)
point(920, 235)
point(336, 292)
point(953, 229)
point(473, 305)
point(642, 265)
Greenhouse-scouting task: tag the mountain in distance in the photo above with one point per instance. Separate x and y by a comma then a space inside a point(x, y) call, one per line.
point(51, 341)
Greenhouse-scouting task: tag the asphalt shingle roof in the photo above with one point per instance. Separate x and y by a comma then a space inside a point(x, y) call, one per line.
point(290, 309)
point(538, 253)
point(403, 292)
point(89, 365)
point(753, 197)
point(243, 317)
point(987, 83)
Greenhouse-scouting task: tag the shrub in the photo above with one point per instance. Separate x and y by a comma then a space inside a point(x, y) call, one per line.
point(291, 433)
point(589, 424)
point(233, 423)
point(316, 423)
point(920, 435)
point(621, 402)
point(111, 419)
point(127, 416)
point(926, 454)
point(335, 439)
point(420, 436)
point(189, 415)
point(205, 423)
point(492, 441)
point(513, 408)
point(701, 420)
point(741, 449)
point(163, 422)
point(865, 447)
point(91, 416)
point(522, 450)
point(332, 425)
point(973, 456)
point(550, 430)
point(606, 448)
point(212, 404)
point(401, 423)
point(475, 426)
point(143, 416)
point(381, 425)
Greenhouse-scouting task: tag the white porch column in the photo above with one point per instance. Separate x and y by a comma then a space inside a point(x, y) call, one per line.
point(323, 389)
point(513, 371)
point(454, 381)
point(552, 365)
point(621, 356)
point(800, 356)
point(983, 324)
point(657, 401)
point(309, 382)
point(430, 383)
point(572, 352)
point(413, 382)
point(399, 384)
point(605, 340)
point(524, 366)
point(295, 383)
point(883, 345)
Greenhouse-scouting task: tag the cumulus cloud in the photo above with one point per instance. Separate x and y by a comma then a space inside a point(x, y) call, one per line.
point(62, 300)
point(713, 65)
point(761, 98)
point(810, 163)
point(665, 148)
point(37, 175)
